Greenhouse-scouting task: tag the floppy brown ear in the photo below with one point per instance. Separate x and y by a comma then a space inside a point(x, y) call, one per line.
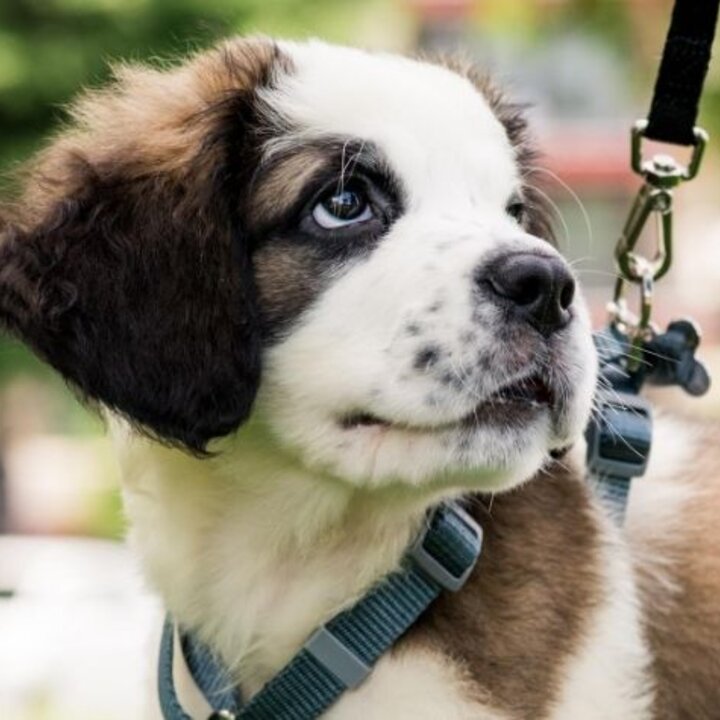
point(126, 267)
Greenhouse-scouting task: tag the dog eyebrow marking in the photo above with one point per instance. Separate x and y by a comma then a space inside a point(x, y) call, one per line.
point(291, 266)
point(284, 181)
point(295, 162)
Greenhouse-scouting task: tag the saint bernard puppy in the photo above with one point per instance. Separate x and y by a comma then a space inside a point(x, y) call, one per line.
point(314, 293)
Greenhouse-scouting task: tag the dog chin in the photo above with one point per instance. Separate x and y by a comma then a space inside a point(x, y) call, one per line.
point(483, 456)
point(499, 444)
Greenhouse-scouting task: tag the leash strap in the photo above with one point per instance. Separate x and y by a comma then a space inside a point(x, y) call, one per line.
point(341, 654)
point(683, 68)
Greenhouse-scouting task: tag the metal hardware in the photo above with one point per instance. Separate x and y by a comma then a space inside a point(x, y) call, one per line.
point(661, 174)
point(431, 566)
point(672, 360)
point(637, 327)
point(650, 199)
point(619, 440)
point(637, 133)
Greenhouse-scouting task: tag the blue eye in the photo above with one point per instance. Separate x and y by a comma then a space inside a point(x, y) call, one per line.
point(348, 207)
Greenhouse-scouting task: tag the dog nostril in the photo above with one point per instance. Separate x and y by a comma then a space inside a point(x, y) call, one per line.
point(538, 288)
point(567, 293)
point(525, 290)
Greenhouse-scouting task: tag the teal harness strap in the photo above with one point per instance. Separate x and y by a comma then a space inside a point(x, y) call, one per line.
point(340, 655)
point(619, 434)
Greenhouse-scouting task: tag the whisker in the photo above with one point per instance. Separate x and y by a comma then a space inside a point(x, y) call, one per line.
point(573, 194)
point(595, 271)
point(556, 209)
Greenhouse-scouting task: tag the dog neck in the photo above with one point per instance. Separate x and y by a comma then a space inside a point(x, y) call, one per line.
point(251, 551)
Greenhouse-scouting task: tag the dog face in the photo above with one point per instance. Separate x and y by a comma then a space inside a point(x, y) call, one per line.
point(350, 236)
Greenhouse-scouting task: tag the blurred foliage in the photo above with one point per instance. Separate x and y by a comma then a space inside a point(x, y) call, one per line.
point(51, 48)
point(539, 21)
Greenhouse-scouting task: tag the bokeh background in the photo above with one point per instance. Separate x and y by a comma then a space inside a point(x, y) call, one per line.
point(73, 614)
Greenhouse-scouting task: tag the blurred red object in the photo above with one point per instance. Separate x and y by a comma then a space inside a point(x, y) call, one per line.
point(441, 9)
point(589, 158)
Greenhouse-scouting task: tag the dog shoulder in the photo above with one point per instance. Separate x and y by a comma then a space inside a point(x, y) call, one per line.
point(675, 539)
point(548, 625)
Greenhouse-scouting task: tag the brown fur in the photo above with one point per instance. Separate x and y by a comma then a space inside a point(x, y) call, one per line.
point(285, 182)
point(125, 265)
point(521, 616)
point(680, 588)
point(149, 121)
point(288, 280)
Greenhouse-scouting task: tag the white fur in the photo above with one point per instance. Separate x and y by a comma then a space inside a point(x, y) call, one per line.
point(257, 552)
point(393, 692)
point(609, 677)
point(433, 125)
point(657, 505)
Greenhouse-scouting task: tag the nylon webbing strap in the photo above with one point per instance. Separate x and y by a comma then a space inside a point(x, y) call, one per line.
point(307, 686)
point(683, 67)
point(619, 433)
point(340, 654)
point(212, 679)
point(614, 492)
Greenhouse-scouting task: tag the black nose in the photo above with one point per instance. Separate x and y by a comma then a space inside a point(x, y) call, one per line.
point(538, 288)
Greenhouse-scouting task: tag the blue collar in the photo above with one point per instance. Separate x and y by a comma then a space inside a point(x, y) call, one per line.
point(340, 654)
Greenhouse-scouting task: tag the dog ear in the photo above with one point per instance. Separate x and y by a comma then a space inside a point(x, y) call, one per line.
point(126, 267)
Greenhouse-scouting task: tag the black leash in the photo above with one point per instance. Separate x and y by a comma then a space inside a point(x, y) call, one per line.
point(631, 349)
point(683, 68)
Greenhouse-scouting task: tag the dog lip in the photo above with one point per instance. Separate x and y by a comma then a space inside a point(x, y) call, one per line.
point(531, 388)
point(531, 391)
point(359, 419)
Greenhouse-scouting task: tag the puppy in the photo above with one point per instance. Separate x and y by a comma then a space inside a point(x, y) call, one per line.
point(314, 294)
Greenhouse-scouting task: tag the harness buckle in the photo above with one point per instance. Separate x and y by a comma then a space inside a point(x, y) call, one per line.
point(619, 438)
point(432, 565)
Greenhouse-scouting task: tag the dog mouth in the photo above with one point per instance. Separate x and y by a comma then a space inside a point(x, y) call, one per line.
point(509, 402)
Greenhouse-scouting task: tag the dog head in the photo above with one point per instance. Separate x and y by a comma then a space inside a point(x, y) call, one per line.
point(346, 242)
